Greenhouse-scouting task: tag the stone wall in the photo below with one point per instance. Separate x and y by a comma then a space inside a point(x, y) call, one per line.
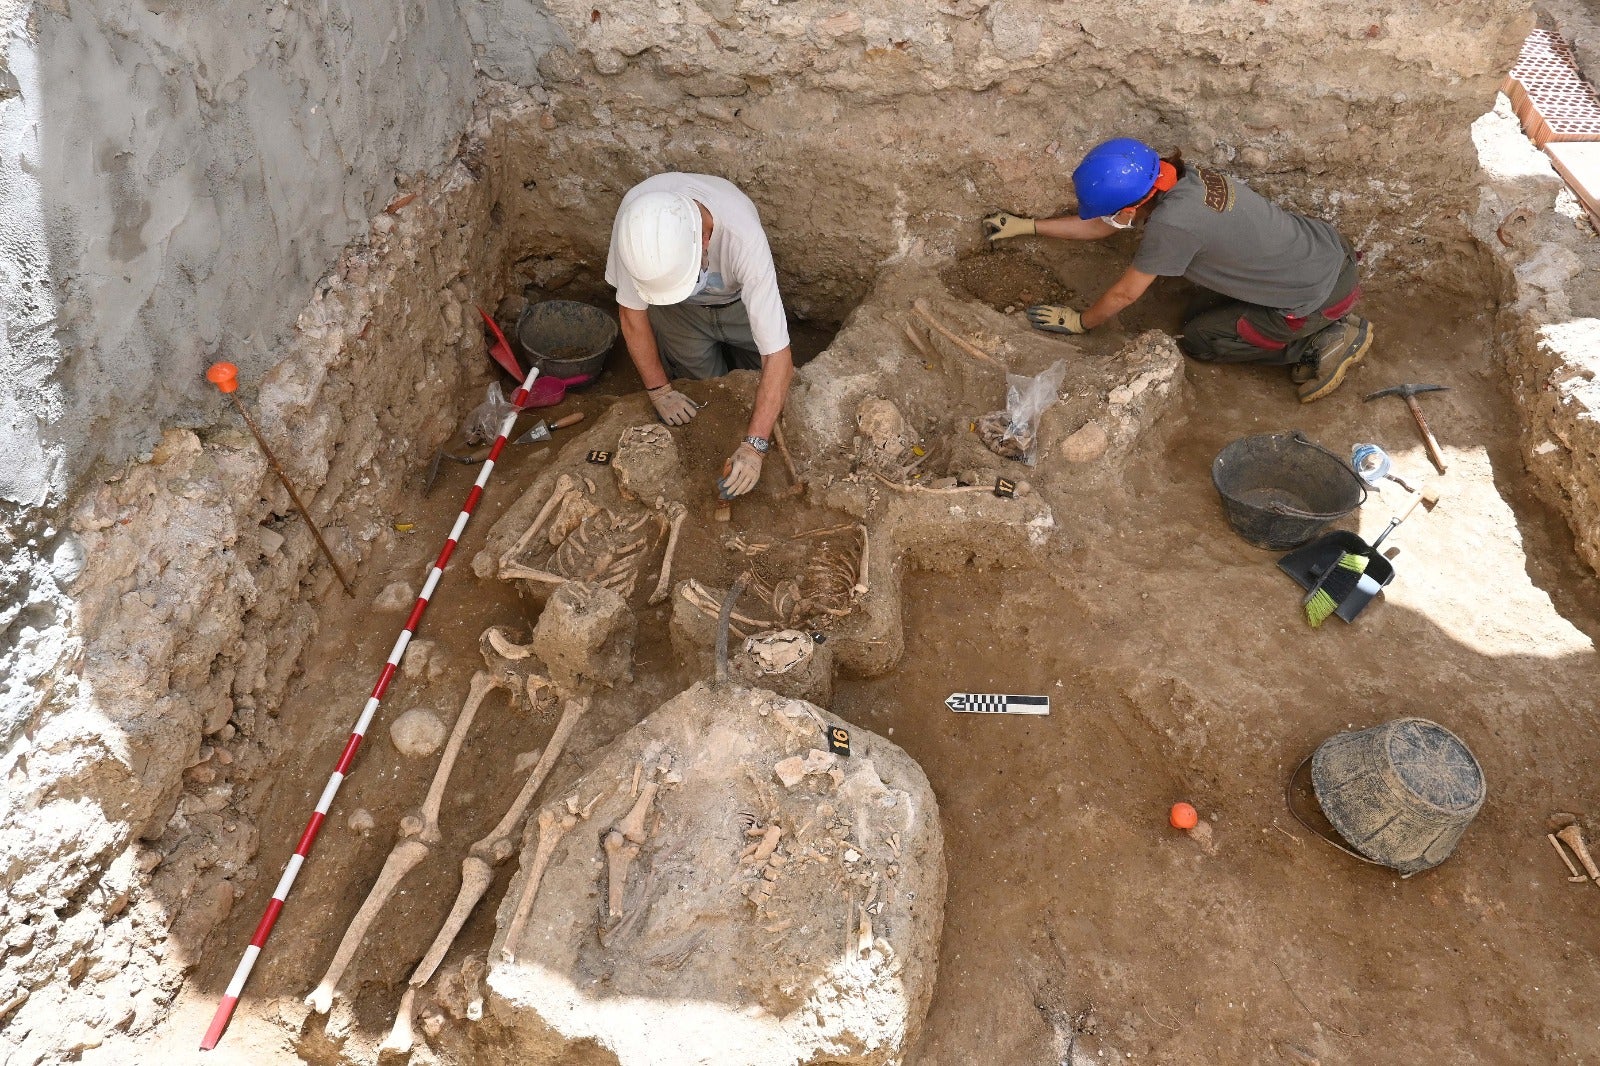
point(173, 188)
point(860, 134)
point(1548, 321)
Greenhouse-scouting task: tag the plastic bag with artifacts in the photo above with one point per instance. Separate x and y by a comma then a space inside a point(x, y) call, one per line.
point(483, 424)
point(1014, 432)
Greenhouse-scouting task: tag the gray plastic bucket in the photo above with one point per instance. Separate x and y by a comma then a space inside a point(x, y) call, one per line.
point(1401, 793)
point(565, 338)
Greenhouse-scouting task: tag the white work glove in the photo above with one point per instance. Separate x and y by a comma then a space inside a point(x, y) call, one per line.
point(674, 407)
point(744, 470)
point(1053, 318)
point(1003, 224)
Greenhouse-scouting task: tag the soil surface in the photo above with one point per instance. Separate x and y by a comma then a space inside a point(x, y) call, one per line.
point(1079, 926)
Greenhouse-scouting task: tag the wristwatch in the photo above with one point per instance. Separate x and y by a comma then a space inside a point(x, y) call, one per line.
point(758, 443)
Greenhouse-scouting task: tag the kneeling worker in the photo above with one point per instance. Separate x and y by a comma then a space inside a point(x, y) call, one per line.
point(696, 284)
point(1291, 280)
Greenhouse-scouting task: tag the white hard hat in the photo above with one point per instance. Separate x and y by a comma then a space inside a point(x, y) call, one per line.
point(658, 238)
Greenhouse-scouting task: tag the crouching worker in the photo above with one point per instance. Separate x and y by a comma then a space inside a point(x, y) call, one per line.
point(696, 288)
point(1291, 280)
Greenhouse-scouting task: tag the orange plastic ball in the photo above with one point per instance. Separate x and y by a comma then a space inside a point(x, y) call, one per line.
point(1183, 816)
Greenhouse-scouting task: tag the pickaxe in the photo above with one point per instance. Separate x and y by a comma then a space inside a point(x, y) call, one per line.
point(1408, 393)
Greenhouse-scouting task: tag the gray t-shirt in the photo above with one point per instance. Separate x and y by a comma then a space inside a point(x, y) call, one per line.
point(1218, 232)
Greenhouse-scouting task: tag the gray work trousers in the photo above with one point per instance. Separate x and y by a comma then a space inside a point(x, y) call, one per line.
point(700, 342)
point(1237, 332)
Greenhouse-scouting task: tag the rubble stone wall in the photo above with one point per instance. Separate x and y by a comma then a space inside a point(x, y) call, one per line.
point(1548, 320)
point(860, 134)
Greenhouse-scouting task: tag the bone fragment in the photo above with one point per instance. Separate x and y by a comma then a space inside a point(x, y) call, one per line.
point(518, 572)
point(1571, 869)
point(503, 645)
point(551, 830)
point(863, 932)
point(698, 595)
point(823, 531)
point(922, 346)
point(769, 843)
point(632, 824)
point(477, 870)
point(866, 550)
point(473, 971)
point(1572, 837)
point(677, 512)
point(937, 492)
point(588, 808)
point(925, 310)
point(401, 861)
point(620, 853)
point(419, 832)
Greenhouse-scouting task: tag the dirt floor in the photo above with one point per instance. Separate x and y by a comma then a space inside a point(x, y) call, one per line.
point(1079, 927)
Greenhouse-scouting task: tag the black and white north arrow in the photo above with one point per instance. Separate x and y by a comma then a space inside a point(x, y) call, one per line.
point(996, 703)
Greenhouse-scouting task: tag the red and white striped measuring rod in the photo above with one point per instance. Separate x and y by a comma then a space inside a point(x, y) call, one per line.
point(302, 850)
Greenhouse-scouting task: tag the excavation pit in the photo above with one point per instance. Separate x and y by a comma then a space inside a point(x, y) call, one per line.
point(166, 770)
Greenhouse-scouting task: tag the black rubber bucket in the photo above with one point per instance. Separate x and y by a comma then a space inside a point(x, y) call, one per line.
point(1279, 489)
point(565, 339)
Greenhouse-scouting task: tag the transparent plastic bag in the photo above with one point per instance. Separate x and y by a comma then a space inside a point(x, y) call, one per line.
point(483, 424)
point(1014, 432)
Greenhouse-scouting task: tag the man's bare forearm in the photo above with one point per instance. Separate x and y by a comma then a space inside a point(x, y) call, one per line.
point(640, 340)
point(777, 370)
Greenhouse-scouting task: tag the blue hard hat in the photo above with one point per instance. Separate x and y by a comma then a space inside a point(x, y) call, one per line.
point(1114, 175)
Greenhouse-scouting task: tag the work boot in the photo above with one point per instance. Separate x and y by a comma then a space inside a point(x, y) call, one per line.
point(1337, 349)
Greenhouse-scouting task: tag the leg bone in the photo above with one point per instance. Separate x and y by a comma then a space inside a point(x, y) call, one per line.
point(552, 828)
point(477, 870)
point(620, 853)
point(420, 831)
point(677, 512)
point(1572, 837)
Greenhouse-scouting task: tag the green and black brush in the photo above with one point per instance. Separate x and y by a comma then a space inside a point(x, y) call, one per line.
point(1334, 588)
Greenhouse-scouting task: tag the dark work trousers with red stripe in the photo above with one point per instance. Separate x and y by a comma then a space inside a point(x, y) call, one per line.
point(1237, 332)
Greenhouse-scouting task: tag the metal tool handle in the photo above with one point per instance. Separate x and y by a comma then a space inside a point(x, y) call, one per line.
point(1295, 512)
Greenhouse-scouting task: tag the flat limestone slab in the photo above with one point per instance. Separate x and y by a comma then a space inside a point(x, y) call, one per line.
point(824, 952)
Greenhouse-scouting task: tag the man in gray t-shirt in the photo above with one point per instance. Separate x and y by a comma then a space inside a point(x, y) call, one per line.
point(1290, 281)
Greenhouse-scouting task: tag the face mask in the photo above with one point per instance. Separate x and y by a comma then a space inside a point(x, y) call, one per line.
point(1111, 220)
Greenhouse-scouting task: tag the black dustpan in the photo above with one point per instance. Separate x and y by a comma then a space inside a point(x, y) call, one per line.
point(1310, 564)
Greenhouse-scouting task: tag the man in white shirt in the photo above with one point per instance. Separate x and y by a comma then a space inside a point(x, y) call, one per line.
point(695, 284)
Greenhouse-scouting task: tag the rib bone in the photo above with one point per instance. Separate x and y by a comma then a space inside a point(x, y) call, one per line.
point(419, 832)
point(676, 512)
point(477, 870)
